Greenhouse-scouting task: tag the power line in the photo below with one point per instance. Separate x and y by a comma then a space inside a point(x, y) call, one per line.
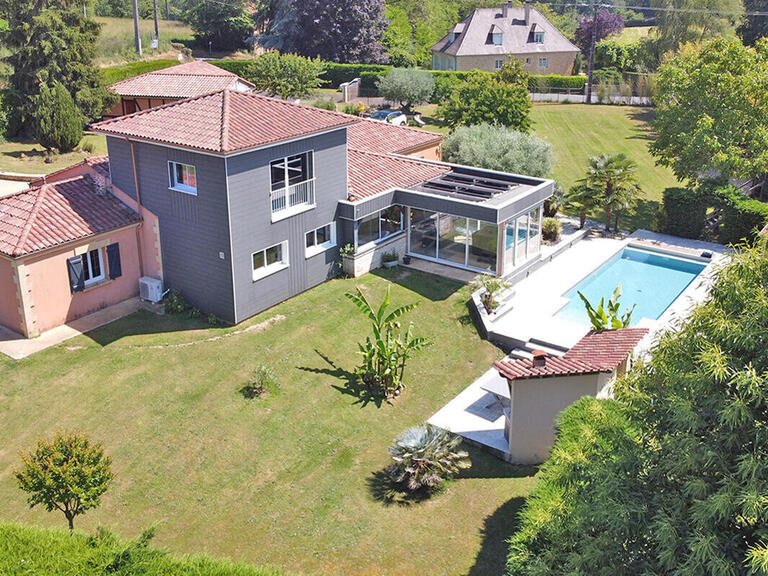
point(660, 9)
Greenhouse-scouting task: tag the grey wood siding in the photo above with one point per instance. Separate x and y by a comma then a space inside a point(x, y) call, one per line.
point(253, 230)
point(194, 230)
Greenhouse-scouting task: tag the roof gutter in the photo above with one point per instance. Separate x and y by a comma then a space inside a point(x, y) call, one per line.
point(138, 206)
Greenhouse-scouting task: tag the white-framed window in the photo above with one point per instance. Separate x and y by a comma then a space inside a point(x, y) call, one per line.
point(292, 183)
point(270, 260)
point(93, 266)
point(320, 239)
point(499, 64)
point(527, 61)
point(538, 37)
point(543, 63)
point(182, 177)
point(380, 225)
point(497, 38)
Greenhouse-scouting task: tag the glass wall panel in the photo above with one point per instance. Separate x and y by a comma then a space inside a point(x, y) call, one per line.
point(534, 233)
point(391, 220)
point(423, 233)
point(521, 237)
point(509, 245)
point(453, 239)
point(368, 229)
point(483, 244)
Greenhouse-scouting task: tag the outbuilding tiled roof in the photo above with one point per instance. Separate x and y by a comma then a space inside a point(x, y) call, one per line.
point(100, 164)
point(598, 351)
point(183, 81)
point(223, 122)
point(371, 173)
point(374, 136)
point(53, 214)
point(474, 37)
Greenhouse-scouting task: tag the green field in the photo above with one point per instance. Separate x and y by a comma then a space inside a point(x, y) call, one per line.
point(293, 480)
point(28, 157)
point(116, 41)
point(633, 34)
point(578, 131)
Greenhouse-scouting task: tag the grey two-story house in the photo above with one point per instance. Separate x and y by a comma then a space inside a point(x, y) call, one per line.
point(252, 198)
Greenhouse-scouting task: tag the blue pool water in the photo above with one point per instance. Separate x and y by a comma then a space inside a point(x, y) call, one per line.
point(650, 281)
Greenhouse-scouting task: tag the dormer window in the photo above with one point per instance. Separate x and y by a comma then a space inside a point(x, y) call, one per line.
point(538, 37)
point(497, 38)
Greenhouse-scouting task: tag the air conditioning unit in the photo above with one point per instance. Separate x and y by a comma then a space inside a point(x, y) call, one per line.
point(150, 289)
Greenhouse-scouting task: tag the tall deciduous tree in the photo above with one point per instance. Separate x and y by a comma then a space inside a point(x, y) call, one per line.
point(694, 20)
point(671, 477)
point(500, 98)
point(339, 30)
point(712, 111)
point(68, 474)
point(51, 40)
point(605, 24)
point(753, 28)
point(226, 25)
point(286, 75)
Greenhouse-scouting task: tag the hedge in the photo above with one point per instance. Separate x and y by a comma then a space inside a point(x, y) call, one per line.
point(238, 67)
point(29, 550)
point(120, 72)
point(684, 211)
point(741, 218)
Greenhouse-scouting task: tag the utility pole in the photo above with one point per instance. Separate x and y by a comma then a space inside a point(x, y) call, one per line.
point(154, 6)
point(166, 10)
point(592, 52)
point(136, 26)
point(85, 9)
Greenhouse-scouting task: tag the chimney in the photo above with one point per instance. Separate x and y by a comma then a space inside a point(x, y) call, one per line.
point(505, 10)
point(527, 13)
point(539, 358)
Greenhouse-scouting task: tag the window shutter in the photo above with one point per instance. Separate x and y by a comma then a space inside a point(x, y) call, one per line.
point(76, 277)
point(113, 261)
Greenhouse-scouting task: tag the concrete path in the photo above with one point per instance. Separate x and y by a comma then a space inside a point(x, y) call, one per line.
point(17, 347)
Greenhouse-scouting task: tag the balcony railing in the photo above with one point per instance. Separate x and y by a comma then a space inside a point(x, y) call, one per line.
point(293, 197)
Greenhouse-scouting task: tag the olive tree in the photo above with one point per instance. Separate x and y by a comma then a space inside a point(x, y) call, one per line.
point(68, 473)
point(407, 86)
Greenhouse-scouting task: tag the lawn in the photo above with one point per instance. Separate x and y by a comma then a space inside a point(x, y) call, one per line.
point(33, 160)
point(293, 479)
point(633, 34)
point(116, 40)
point(578, 131)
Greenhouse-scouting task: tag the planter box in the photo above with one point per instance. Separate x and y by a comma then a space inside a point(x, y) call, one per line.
point(348, 265)
point(389, 264)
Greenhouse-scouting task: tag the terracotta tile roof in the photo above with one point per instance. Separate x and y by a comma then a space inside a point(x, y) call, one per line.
point(223, 122)
point(98, 163)
point(374, 136)
point(53, 214)
point(183, 81)
point(371, 173)
point(598, 351)
point(517, 35)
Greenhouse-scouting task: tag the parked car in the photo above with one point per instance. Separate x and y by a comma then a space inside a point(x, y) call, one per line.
point(395, 117)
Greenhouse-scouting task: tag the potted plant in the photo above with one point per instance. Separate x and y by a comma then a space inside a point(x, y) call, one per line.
point(347, 253)
point(491, 286)
point(389, 259)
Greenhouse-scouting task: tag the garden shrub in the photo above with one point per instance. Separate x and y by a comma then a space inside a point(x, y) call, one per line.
point(324, 104)
point(683, 212)
point(175, 303)
point(741, 217)
point(30, 550)
point(551, 229)
point(264, 380)
point(540, 82)
point(355, 109)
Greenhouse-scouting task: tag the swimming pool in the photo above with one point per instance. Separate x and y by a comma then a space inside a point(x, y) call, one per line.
point(649, 280)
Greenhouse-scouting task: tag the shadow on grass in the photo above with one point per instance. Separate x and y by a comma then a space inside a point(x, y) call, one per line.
point(351, 385)
point(388, 492)
point(485, 465)
point(497, 528)
point(429, 286)
point(644, 116)
point(143, 322)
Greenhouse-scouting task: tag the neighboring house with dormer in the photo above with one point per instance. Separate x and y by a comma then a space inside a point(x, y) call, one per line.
point(490, 36)
point(240, 201)
point(171, 84)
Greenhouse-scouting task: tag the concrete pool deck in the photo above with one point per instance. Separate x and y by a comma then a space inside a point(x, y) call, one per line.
point(528, 322)
point(529, 316)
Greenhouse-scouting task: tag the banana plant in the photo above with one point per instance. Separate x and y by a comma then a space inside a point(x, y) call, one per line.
point(387, 351)
point(602, 320)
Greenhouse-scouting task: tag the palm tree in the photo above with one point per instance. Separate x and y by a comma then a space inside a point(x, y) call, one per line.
point(584, 199)
point(613, 179)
